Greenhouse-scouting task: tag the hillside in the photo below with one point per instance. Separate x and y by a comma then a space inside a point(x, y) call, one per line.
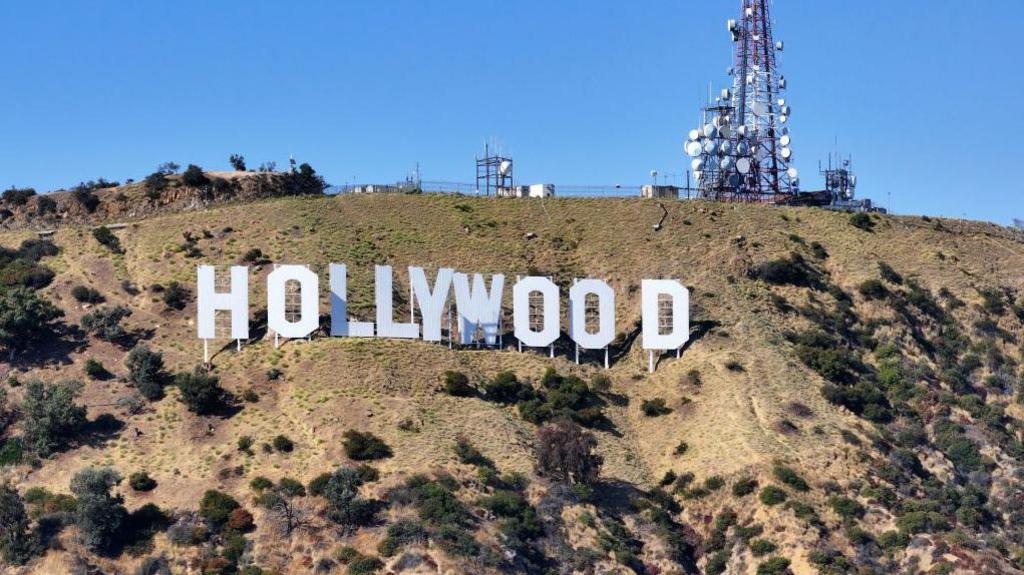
point(849, 402)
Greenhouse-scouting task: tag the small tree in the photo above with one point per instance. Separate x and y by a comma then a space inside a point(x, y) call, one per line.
point(175, 296)
point(344, 504)
point(99, 515)
point(237, 162)
point(51, 416)
point(216, 507)
point(146, 371)
point(15, 541)
point(155, 183)
point(565, 453)
point(105, 322)
point(200, 391)
point(194, 176)
point(168, 168)
point(25, 318)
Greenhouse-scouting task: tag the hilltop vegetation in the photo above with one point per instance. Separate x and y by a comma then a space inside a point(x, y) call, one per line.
point(851, 399)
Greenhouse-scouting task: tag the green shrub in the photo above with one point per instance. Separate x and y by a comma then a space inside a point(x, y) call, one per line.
point(467, 453)
point(714, 483)
point(760, 547)
point(364, 446)
point(401, 534)
point(862, 221)
point(105, 322)
point(846, 508)
point(290, 487)
point(655, 407)
point(141, 481)
point(95, 369)
point(744, 486)
point(365, 566)
point(216, 507)
point(283, 444)
point(873, 289)
point(260, 483)
point(717, 563)
point(200, 392)
point(51, 418)
point(774, 566)
point(175, 296)
point(318, 483)
point(682, 448)
point(792, 270)
point(85, 294)
point(146, 371)
point(791, 478)
point(17, 196)
point(107, 238)
point(772, 495)
point(457, 384)
point(245, 444)
point(506, 388)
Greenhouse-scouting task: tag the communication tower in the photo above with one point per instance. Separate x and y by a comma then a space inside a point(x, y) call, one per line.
point(494, 173)
point(840, 181)
point(742, 150)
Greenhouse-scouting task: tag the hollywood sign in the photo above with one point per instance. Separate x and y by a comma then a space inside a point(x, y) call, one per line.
point(478, 308)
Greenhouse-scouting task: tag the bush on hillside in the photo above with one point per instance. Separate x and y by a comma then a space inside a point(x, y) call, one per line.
point(105, 322)
point(194, 176)
point(457, 384)
point(201, 392)
point(26, 319)
point(862, 221)
point(107, 238)
point(364, 446)
point(17, 196)
point(146, 371)
point(85, 294)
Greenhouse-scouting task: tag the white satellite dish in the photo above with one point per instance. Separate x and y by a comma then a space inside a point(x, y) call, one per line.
point(743, 166)
point(504, 167)
point(710, 147)
point(782, 83)
point(741, 131)
point(792, 173)
point(779, 45)
point(709, 130)
point(742, 148)
point(783, 118)
point(787, 111)
point(782, 101)
point(694, 134)
point(726, 163)
point(726, 147)
point(697, 164)
point(785, 140)
point(725, 131)
point(750, 12)
point(787, 153)
point(693, 149)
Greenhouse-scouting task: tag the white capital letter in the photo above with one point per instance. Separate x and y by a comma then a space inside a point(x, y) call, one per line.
point(236, 300)
point(309, 291)
point(340, 325)
point(578, 312)
point(386, 325)
point(521, 311)
point(478, 309)
point(653, 338)
point(431, 302)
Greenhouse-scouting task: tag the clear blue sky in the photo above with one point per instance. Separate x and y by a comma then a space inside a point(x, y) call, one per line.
point(596, 92)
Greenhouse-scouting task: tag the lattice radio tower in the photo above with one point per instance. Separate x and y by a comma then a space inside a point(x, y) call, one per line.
point(742, 150)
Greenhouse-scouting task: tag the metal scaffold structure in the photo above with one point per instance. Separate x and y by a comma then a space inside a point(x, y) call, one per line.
point(742, 151)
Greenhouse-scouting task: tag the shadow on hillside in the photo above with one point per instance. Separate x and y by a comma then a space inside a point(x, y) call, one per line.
point(66, 340)
point(616, 497)
point(99, 432)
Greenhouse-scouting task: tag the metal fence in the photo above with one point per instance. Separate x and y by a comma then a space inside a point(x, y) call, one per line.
point(469, 189)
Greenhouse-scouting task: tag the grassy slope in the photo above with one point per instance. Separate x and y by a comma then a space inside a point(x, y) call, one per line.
point(331, 385)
